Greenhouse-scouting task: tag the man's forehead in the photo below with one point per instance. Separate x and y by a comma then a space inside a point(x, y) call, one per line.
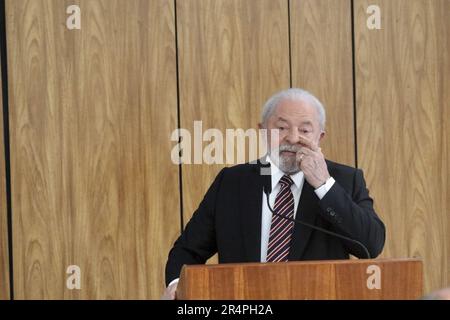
point(303, 122)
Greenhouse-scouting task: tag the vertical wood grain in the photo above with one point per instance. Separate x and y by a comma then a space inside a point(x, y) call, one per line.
point(4, 250)
point(403, 96)
point(233, 55)
point(321, 54)
point(91, 114)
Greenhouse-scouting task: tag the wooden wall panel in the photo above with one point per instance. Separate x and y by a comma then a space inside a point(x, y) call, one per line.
point(4, 251)
point(321, 49)
point(233, 55)
point(91, 114)
point(403, 111)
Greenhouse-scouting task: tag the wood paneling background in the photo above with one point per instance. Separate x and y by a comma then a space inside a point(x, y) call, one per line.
point(4, 251)
point(403, 111)
point(321, 44)
point(233, 54)
point(91, 113)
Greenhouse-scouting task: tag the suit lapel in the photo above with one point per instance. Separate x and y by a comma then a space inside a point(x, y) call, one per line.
point(307, 212)
point(251, 204)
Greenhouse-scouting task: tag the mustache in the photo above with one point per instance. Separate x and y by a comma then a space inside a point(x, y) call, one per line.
point(288, 147)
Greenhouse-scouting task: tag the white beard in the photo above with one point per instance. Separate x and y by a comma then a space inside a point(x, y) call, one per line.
point(287, 164)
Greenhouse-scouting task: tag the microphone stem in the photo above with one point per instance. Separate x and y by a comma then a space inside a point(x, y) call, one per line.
point(316, 227)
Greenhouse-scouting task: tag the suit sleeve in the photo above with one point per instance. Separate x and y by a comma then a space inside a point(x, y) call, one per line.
point(197, 243)
point(353, 215)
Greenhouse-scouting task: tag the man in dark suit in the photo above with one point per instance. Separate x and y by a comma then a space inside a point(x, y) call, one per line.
point(234, 218)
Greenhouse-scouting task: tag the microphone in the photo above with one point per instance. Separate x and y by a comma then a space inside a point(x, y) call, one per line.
point(268, 189)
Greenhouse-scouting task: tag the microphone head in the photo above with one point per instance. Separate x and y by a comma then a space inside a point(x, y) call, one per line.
point(265, 175)
point(267, 187)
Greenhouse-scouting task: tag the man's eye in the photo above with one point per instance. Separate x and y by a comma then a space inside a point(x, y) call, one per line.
point(304, 131)
point(281, 128)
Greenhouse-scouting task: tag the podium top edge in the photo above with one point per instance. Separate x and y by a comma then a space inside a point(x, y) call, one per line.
point(309, 262)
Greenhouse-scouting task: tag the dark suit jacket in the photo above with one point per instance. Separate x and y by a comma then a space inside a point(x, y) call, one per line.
point(228, 220)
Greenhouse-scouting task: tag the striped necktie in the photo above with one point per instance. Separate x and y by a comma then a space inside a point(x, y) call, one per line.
point(281, 229)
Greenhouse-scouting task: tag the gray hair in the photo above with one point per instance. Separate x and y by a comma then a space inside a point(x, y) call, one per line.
point(294, 94)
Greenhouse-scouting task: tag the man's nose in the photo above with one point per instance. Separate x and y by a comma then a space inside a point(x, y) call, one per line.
point(293, 137)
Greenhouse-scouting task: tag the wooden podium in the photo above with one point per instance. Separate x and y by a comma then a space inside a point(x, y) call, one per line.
point(333, 279)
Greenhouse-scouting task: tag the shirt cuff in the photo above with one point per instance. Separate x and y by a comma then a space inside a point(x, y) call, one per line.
point(173, 281)
point(323, 189)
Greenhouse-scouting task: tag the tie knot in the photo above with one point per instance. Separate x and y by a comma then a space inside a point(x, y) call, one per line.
point(286, 181)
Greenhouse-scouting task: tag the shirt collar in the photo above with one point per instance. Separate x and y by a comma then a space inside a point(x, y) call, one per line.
point(277, 174)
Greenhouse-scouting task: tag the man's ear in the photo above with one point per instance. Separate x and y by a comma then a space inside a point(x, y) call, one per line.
point(322, 134)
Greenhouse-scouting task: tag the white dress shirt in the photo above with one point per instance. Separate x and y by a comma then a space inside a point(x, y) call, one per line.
point(296, 188)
